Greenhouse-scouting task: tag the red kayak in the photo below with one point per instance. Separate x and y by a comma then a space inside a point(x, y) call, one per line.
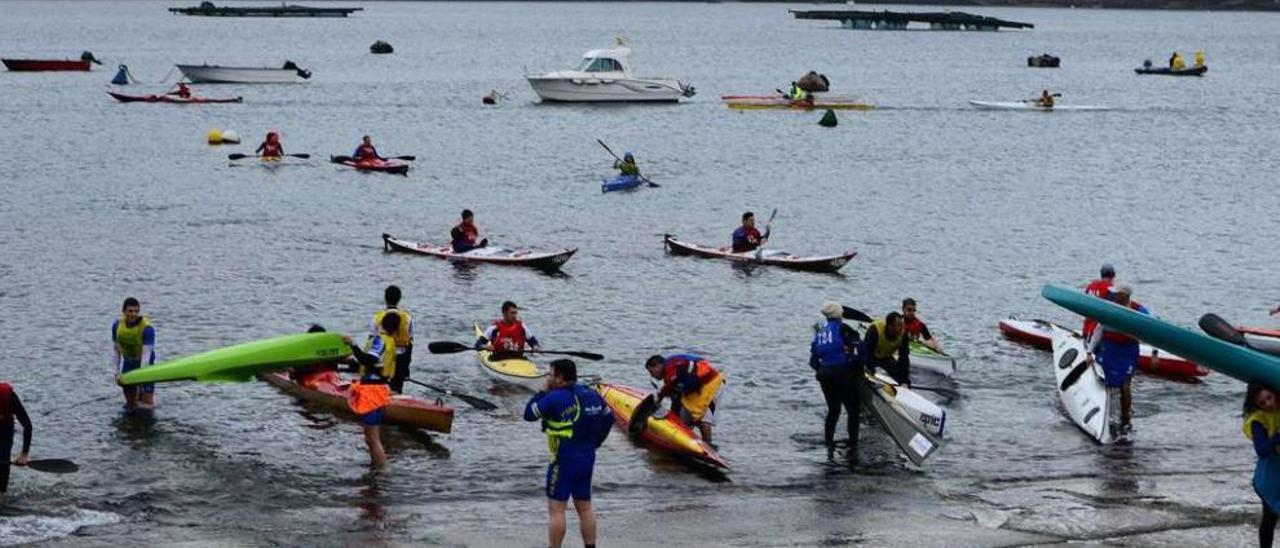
point(332, 391)
point(1266, 340)
point(46, 65)
point(123, 98)
point(372, 164)
point(1037, 333)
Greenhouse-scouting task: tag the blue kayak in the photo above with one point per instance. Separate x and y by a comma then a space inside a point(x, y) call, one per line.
point(621, 182)
point(1237, 361)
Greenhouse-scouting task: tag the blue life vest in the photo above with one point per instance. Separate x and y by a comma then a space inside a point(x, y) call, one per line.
point(828, 345)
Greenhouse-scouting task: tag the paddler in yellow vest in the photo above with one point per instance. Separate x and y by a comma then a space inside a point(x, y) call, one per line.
point(369, 395)
point(133, 341)
point(1045, 100)
point(1199, 58)
point(797, 93)
point(883, 340)
point(403, 336)
point(1176, 62)
point(693, 386)
point(1262, 426)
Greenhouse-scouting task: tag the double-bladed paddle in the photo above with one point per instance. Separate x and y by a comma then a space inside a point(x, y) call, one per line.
point(450, 347)
point(481, 404)
point(615, 157)
point(854, 314)
point(52, 466)
point(243, 156)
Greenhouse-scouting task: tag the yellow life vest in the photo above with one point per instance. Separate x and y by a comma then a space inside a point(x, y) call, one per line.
point(885, 347)
point(1268, 419)
point(129, 339)
point(387, 361)
point(402, 335)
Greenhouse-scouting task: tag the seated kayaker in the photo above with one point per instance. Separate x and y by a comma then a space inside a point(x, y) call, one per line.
point(1118, 354)
point(1176, 62)
point(576, 421)
point(833, 355)
point(310, 375)
point(747, 237)
point(366, 151)
point(465, 234)
point(1199, 58)
point(183, 91)
point(916, 330)
point(693, 386)
point(628, 165)
point(885, 339)
point(369, 395)
point(1045, 100)
point(508, 336)
point(797, 93)
point(271, 148)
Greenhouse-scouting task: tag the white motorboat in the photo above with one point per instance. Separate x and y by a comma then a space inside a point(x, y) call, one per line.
point(605, 76)
point(217, 74)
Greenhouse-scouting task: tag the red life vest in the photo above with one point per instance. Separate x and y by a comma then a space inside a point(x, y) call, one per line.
point(678, 371)
point(912, 327)
point(469, 231)
point(6, 394)
point(509, 338)
point(272, 149)
point(1100, 288)
point(366, 152)
point(1115, 337)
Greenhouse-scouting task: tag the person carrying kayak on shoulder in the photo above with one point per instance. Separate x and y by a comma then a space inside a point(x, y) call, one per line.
point(747, 237)
point(508, 336)
point(369, 394)
point(366, 151)
point(464, 235)
point(576, 422)
point(883, 340)
point(403, 336)
point(693, 386)
point(1262, 426)
point(1118, 355)
point(628, 165)
point(1045, 100)
point(1100, 288)
point(10, 409)
point(833, 356)
point(271, 147)
point(133, 341)
point(915, 328)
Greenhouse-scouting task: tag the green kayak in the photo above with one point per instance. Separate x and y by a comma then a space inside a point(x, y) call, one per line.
point(1237, 361)
point(239, 363)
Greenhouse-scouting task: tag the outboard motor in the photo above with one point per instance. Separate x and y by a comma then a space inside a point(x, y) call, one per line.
point(1146, 63)
point(88, 56)
point(303, 73)
point(687, 90)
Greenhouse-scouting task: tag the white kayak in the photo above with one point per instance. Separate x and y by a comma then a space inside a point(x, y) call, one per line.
point(1081, 387)
point(1030, 105)
point(914, 422)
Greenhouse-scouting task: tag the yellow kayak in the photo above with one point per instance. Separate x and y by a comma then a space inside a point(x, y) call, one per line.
point(518, 371)
point(755, 102)
point(668, 434)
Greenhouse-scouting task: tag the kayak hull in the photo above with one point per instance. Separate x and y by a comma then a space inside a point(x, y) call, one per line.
point(172, 99)
point(621, 182)
point(1266, 340)
point(403, 410)
point(925, 358)
point(1032, 107)
point(379, 166)
point(828, 263)
point(1038, 334)
point(239, 363)
point(1236, 361)
point(668, 434)
point(518, 372)
point(46, 65)
point(551, 260)
point(914, 426)
point(1081, 387)
point(214, 74)
point(1166, 71)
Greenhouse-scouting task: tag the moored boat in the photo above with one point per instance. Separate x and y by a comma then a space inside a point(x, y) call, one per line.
point(825, 263)
point(46, 65)
point(332, 391)
point(207, 9)
point(545, 260)
point(1167, 71)
point(604, 75)
point(218, 74)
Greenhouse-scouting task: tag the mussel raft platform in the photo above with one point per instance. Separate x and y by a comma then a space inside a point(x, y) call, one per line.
point(892, 20)
point(207, 9)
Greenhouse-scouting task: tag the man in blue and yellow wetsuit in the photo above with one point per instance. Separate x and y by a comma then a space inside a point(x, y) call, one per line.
point(883, 340)
point(403, 336)
point(1118, 355)
point(11, 409)
point(369, 395)
point(133, 341)
point(576, 421)
point(693, 386)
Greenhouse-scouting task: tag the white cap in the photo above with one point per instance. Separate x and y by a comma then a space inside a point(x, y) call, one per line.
point(832, 310)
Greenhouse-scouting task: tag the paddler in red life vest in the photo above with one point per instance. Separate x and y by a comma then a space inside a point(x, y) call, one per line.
point(885, 339)
point(1118, 355)
point(693, 386)
point(508, 336)
point(365, 151)
point(465, 234)
point(271, 148)
point(370, 395)
point(915, 328)
point(747, 237)
point(183, 91)
point(11, 408)
point(403, 336)
point(133, 341)
point(1100, 288)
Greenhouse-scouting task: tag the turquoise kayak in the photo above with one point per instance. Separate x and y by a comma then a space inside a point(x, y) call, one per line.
point(239, 363)
point(1237, 361)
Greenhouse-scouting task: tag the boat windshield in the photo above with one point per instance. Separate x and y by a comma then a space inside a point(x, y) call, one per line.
point(600, 64)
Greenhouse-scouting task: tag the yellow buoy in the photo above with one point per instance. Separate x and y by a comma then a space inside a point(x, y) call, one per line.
point(215, 136)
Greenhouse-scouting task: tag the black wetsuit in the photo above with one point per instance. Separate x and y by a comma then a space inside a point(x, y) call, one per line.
point(11, 410)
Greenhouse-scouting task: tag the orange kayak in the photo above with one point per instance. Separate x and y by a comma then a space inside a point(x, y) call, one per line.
point(668, 434)
point(331, 391)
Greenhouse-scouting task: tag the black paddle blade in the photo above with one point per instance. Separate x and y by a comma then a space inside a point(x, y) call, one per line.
point(578, 354)
point(302, 156)
point(1219, 328)
point(53, 466)
point(405, 158)
point(640, 415)
point(483, 405)
point(447, 347)
point(854, 314)
point(339, 159)
point(237, 156)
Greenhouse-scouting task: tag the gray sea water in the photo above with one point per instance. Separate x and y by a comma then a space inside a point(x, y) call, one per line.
point(968, 211)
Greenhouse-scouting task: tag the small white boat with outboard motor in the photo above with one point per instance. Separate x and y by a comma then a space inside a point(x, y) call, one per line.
point(604, 75)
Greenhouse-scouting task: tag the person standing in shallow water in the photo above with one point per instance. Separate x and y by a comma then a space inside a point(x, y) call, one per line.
point(1262, 426)
point(133, 343)
point(833, 355)
point(10, 410)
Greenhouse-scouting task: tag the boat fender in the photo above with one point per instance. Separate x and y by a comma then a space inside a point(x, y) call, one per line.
point(215, 136)
point(829, 119)
point(381, 47)
point(230, 137)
